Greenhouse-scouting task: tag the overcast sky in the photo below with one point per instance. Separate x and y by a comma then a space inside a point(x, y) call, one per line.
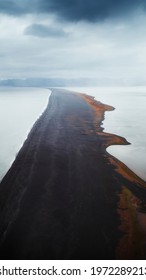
point(103, 40)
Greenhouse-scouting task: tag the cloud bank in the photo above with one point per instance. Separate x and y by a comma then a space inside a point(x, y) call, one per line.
point(74, 10)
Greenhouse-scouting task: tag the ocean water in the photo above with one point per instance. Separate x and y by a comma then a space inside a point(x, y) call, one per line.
point(127, 120)
point(19, 109)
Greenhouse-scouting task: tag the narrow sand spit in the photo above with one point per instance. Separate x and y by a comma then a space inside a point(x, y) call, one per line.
point(65, 197)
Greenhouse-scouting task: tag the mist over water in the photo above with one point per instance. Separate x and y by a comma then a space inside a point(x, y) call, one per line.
point(19, 109)
point(127, 120)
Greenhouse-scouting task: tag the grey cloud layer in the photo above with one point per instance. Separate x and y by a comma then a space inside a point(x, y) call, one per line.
point(73, 10)
point(91, 10)
point(41, 30)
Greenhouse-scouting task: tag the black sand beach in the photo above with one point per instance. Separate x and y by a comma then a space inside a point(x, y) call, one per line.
point(65, 197)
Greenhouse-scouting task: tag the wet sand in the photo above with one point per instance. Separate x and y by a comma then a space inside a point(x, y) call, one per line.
point(65, 197)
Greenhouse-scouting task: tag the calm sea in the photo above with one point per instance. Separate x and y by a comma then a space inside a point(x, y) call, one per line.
point(127, 120)
point(19, 109)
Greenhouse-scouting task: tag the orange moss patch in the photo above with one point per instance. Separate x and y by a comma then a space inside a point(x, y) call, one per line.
point(99, 109)
point(131, 244)
point(122, 169)
point(112, 139)
point(96, 104)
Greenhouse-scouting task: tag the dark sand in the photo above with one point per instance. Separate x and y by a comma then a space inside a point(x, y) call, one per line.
point(65, 197)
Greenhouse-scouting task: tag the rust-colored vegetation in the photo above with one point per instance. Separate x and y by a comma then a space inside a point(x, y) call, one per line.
point(132, 205)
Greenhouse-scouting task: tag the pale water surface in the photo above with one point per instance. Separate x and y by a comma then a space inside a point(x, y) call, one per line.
point(127, 120)
point(19, 109)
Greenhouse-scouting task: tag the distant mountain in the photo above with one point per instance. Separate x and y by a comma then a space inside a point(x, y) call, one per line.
point(41, 82)
point(58, 82)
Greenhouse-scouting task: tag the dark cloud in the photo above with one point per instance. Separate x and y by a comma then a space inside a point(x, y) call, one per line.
point(73, 10)
point(41, 30)
point(14, 7)
point(91, 10)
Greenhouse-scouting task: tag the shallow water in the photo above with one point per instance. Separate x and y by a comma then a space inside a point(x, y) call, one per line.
point(19, 109)
point(127, 120)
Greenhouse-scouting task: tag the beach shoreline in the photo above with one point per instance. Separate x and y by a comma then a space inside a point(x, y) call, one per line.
point(63, 196)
